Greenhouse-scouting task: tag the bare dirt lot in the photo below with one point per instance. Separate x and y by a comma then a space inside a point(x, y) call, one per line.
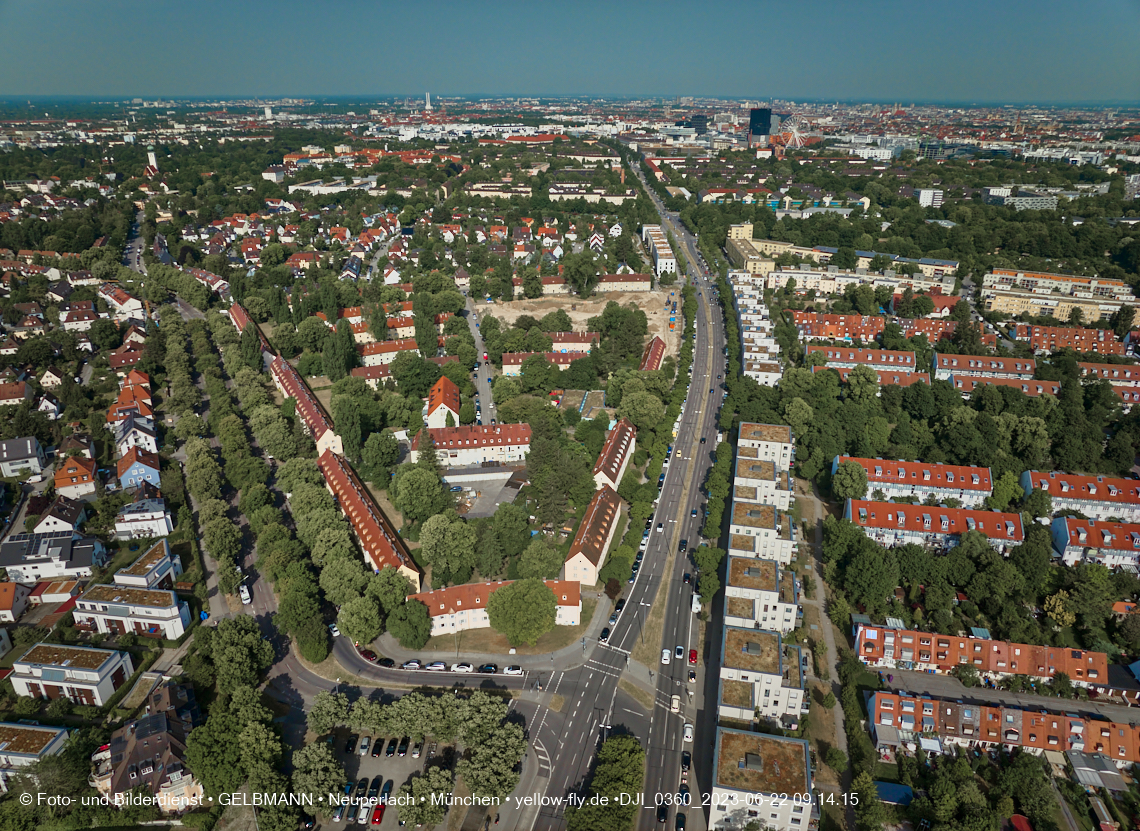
point(580, 311)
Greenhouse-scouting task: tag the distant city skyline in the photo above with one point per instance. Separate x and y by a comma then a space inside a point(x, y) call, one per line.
point(966, 53)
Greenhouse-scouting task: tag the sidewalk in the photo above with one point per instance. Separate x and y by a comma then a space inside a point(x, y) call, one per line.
point(568, 657)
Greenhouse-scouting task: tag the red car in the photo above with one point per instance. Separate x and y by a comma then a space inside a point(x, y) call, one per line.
point(692, 656)
point(378, 815)
point(368, 655)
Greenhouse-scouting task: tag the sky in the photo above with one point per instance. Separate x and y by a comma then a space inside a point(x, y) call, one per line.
point(953, 51)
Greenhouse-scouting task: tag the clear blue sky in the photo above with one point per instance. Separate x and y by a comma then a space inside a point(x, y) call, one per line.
point(954, 50)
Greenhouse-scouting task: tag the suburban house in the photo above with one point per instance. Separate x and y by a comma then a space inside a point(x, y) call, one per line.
point(157, 568)
point(21, 457)
point(136, 431)
point(76, 444)
point(62, 515)
point(143, 518)
point(122, 304)
point(113, 609)
point(474, 444)
point(16, 393)
point(924, 481)
point(30, 558)
point(457, 608)
point(13, 601)
point(617, 452)
point(443, 401)
point(23, 744)
point(150, 752)
point(138, 466)
point(75, 478)
point(81, 674)
point(588, 550)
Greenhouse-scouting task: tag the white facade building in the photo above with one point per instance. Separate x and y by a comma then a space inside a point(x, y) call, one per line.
point(81, 674)
point(760, 595)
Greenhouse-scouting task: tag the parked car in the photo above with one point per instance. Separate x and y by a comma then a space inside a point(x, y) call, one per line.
point(404, 742)
point(488, 669)
point(675, 704)
point(464, 667)
point(411, 665)
point(391, 749)
point(364, 742)
point(368, 655)
point(513, 670)
point(436, 666)
point(417, 749)
point(350, 745)
point(387, 663)
point(246, 597)
point(693, 656)
point(689, 733)
point(665, 657)
point(335, 631)
point(605, 636)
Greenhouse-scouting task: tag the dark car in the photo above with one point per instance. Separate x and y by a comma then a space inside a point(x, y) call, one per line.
point(620, 605)
point(680, 826)
point(307, 822)
point(489, 669)
point(702, 439)
point(404, 742)
point(374, 788)
point(687, 577)
point(684, 546)
point(350, 745)
point(377, 747)
point(662, 813)
point(387, 663)
point(362, 787)
point(348, 788)
point(390, 751)
point(686, 760)
point(605, 636)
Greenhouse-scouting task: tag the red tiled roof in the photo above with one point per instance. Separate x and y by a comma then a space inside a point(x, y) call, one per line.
point(1127, 375)
point(475, 595)
point(967, 384)
point(562, 359)
point(618, 445)
point(312, 413)
point(443, 393)
point(1088, 488)
point(653, 355)
point(379, 372)
point(891, 516)
point(240, 317)
point(476, 435)
point(10, 392)
point(1024, 367)
point(601, 514)
point(379, 541)
point(386, 346)
point(959, 477)
point(888, 358)
point(136, 454)
point(887, 377)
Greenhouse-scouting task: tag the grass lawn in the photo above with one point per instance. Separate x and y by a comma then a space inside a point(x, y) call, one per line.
point(120, 555)
point(648, 647)
point(821, 734)
point(637, 694)
point(886, 772)
point(487, 640)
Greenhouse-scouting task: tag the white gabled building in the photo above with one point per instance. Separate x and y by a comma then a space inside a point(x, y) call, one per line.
point(474, 444)
point(617, 452)
point(458, 608)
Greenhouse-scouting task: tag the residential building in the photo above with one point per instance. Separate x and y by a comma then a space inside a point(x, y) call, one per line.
point(580, 342)
point(761, 531)
point(143, 518)
point(1119, 375)
point(1051, 304)
point(77, 444)
point(473, 445)
point(884, 377)
point(891, 524)
point(1048, 339)
point(983, 366)
point(657, 243)
point(1066, 284)
point(13, 601)
point(81, 674)
point(62, 514)
point(313, 416)
point(617, 452)
point(879, 646)
point(16, 393)
point(924, 481)
point(378, 538)
point(373, 376)
point(764, 373)
point(1028, 386)
point(900, 720)
point(157, 568)
point(591, 543)
point(21, 458)
point(929, 197)
point(1097, 497)
point(136, 431)
point(115, 610)
point(773, 442)
point(759, 777)
point(761, 595)
point(384, 352)
point(759, 480)
point(845, 357)
point(75, 478)
point(760, 677)
point(459, 608)
point(25, 744)
point(443, 403)
point(653, 355)
point(138, 466)
point(817, 325)
point(513, 361)
point(150, 753)
point(30, 558)
point(1112, 544)
point(122, 304)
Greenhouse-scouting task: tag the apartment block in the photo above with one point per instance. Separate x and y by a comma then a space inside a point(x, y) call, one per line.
point(659, 249)
point(879, 646)
point(761, 778)
point(591, 543)
point(983, 366)
point(1027, 386)
point(474, 444)
point(759, 480)
point(772, 442)
point(1112, 544)
point(845, 357)
point(116, 610)
point(760, 676)
point(1048, 339)
point(617, 452)
point(1119, 375)
point(891, 524)
point(313, 416)
point(157, 568)
point(923, 480)
point(1042, 281)
point(761, 531)
point(761, 595)
point(1097, 497)
point(81, 674)
point(25, 744)
point(459, 608)
point(884, 377)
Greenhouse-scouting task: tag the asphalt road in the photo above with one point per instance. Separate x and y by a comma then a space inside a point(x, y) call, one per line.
point(483, 374)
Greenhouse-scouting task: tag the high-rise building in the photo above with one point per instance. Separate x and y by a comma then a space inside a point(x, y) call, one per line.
point(268, 113)
point(759, 124)
point(929, 197)
point(427, 101)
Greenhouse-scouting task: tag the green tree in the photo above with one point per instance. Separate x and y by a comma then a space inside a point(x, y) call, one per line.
point(317, 772)
point(343, 579)
point(418, 493)
point(410, 624)
point(849, 481)
point(1006, 489)
point(389, 587)
point(489, 556)
point(1058, 608)
point(1122, 320)
point(447, 543)
point(251, 347)
point(489, 769)
point(524, 611)
point(420, 800)
point(329, 711)
point(512, 528)
point(542, 559)
point(237, 650)
point(1038, 503)
point(359, 619)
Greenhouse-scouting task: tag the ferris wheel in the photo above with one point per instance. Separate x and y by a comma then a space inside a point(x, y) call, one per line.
point(791, 131)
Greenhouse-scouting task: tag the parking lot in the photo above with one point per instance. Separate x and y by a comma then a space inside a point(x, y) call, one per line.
point(379, 771)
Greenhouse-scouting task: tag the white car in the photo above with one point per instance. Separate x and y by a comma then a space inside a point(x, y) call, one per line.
point(246, 597)
point(688, 732)
point(436, 666)
point(665, 657)
point(335, 630)
point(462, 668)
point(512, 670)
point(675, 704)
